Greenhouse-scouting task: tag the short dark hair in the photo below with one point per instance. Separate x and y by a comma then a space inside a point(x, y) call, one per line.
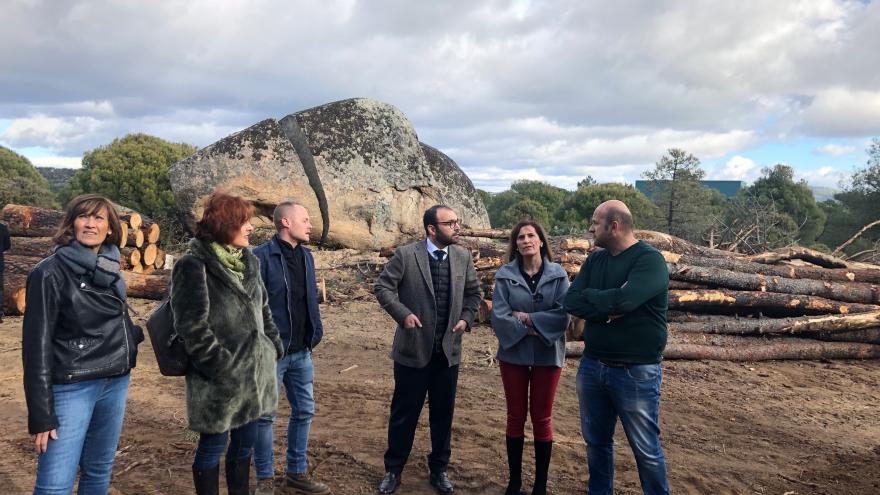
point(430, 216)
point(89, 204)
point(224, 215)
point(513, 254)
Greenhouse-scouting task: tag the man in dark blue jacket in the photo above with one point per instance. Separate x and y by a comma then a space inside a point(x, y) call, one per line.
point(288, 271)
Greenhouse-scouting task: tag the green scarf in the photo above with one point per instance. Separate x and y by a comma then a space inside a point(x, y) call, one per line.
point(230, 257)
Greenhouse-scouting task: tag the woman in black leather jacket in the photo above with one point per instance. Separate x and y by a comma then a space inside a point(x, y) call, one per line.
point(78, 347)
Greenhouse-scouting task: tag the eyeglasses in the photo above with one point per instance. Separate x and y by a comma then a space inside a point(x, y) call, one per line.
point(451, 223)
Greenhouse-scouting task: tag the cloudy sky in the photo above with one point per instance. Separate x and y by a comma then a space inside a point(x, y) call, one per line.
point(550, 90)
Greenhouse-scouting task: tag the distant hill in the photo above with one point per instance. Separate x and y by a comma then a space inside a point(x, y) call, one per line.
point(57, 177)
point(822, 193)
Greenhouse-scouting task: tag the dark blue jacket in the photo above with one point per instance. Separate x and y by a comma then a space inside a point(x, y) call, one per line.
point(273, 269)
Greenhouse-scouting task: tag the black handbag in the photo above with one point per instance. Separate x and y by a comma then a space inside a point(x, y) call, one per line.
point(167, 344)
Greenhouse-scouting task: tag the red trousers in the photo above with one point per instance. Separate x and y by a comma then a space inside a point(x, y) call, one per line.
point(542, 381)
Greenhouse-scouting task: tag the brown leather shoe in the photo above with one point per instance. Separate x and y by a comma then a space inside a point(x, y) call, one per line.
point(301, 484)
point(265, 486)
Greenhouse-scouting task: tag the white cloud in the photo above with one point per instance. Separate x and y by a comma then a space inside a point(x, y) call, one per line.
point(49, 132)
point(835, 149)
point(56, 161)
point(738, 168)
point(843, 111)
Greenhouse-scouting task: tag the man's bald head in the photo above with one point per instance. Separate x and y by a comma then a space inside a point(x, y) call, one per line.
point(616, 211)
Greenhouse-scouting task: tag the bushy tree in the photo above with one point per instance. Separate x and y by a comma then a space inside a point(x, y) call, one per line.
point(580, 206)
point(133, 171)
point(20, 182)
point(526, 208)
point(791, 198)
point(685, 205)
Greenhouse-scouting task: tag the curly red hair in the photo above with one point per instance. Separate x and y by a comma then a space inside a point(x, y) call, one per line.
point(224, 215)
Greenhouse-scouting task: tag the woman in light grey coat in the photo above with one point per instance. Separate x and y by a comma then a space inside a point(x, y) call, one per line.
point(530, 324)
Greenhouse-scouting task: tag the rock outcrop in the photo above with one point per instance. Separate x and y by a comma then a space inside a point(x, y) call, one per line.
point(357, 165)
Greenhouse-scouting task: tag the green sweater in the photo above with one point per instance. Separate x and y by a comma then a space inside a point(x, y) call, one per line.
point(632, 285)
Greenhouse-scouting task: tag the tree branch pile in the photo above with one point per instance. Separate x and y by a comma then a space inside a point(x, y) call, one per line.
point(791, 303)
point(31, 230)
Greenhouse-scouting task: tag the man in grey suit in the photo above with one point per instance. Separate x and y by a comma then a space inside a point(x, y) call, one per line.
point(431, 290)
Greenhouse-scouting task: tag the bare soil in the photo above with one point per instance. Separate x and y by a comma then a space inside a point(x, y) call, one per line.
point(762, 428)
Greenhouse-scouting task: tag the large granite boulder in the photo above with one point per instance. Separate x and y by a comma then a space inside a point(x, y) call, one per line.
point(357, 165)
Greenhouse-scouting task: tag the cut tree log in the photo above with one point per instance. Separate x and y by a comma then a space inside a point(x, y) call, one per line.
point(797, 325)
point(31, 246)
point(666, 242)
point(484, 311)
point(147, 286)
point(864, 336)
point(14, 293)
point(492, 263)
point(123, 239)
point(680, 285)
point(871, 276)
point(135, 238)
point(725, 300)
point(489, 233)
point(570, 244)
point(150, 252)
point(850, 292)
point(779, 349)
point(31, 221)
point(129, 258)
point(132, 218)
point(798, 253)
point(151, 231)
point(160, 259)
point(575, 329)
point(803, 349)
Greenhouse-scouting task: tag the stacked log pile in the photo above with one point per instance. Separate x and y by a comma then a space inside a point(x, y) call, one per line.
point(793, 303)
point(31, 230)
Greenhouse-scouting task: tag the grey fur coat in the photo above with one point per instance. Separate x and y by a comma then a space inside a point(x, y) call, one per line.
point(229, 334)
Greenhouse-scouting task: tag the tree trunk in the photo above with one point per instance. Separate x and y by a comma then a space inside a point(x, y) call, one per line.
point(31, 246)
point(666, 242)
point(850, 292)
point(679, 285)
point(31, 221)
point(871, 276)
point(487, 282)
point(724, 300)
point(798, 253)
point(804, 349)
point(493, 263)
point(20, 265)
point(808, 350)
point(797, 325)
point(147, 286)
point(123, 238)
point(129, 258)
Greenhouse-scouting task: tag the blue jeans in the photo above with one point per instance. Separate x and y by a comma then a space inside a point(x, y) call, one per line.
point(296, 373)
point(633, 395)
point(90, 417)
point(212, 445)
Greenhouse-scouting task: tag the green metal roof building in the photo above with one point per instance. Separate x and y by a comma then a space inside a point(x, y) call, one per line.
point(728, 188)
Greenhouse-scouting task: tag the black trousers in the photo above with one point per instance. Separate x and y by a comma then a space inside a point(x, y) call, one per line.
point(2, 304)
point(438, 381)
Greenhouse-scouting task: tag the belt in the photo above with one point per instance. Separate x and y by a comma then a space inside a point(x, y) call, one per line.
point(615, 364)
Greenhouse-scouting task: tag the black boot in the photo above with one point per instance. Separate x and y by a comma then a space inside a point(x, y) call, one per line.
point(237, 476)
point(542, 464)
point(207, 482)
point(514, 463)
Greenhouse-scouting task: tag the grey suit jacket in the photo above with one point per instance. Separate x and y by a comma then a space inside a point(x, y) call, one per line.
point(405, 287)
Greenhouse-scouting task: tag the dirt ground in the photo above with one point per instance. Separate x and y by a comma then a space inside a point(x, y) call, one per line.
point(763, 428)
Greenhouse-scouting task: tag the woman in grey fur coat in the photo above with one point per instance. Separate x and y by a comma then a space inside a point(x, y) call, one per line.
point(221, 312)
point(529, 321)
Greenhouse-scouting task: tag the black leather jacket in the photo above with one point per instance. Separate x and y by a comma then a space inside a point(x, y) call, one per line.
point(72, 331)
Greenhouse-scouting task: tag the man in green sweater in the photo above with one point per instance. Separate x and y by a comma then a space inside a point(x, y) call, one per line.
point(621, 293)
